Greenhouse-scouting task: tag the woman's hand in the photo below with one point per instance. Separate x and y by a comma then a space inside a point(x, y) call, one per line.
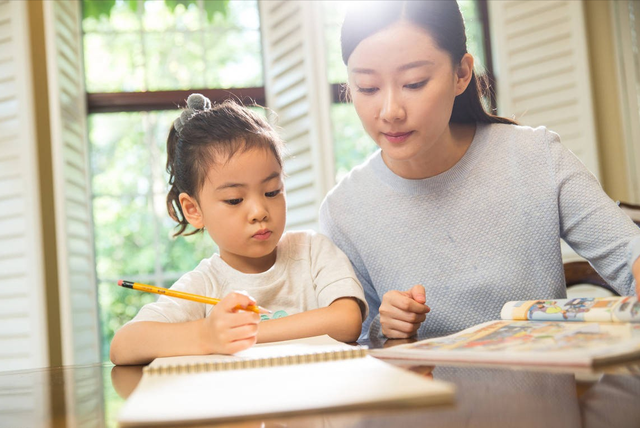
point(402, 312)
point(228, 329)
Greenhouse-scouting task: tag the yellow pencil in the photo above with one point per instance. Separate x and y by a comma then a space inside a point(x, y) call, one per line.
point(187, 296)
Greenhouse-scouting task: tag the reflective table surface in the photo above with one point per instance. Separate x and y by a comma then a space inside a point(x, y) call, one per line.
point(91, 396)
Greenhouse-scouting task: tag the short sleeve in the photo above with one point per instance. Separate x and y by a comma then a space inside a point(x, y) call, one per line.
point(333, 274)
point(174, 310)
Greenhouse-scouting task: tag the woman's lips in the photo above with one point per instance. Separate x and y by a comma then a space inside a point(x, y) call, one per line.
point(397, 137)
point(262, 235)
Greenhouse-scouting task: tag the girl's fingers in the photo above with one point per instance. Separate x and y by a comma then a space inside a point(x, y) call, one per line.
point(235, 299)
point(241, 345)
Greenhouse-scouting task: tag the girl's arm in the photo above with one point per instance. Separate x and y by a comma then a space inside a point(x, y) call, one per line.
point(225, 331)
point(341, 320)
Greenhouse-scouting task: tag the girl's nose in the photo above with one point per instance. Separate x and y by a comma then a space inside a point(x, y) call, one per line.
point(392, 108)
point(259, 213)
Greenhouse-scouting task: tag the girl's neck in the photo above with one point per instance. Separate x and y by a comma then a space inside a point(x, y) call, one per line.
point(439, 156)
point(249, 265)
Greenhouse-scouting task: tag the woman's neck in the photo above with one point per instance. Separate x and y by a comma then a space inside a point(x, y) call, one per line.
point(437, 157)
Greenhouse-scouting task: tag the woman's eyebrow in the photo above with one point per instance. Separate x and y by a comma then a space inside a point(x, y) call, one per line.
point(404, 67)
point(415, 64)
point(363, 70)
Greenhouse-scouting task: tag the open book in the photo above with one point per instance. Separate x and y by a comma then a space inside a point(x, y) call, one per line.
point(306, 375)
point(539, 332)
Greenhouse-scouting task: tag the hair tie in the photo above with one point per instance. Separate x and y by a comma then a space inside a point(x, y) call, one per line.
point(195, 104)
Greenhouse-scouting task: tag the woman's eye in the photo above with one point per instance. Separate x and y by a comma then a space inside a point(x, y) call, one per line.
point(417, 85)
point(367, 90)
point(233, 201)
point(273, 194)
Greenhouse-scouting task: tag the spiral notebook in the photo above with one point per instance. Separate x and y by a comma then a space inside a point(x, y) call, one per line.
point(300, 376)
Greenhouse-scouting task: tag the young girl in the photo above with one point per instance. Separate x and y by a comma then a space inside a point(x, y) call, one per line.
point(469, 206)
point(226, 177)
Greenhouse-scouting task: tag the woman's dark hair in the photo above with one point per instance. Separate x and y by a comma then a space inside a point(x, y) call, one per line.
point(204, 135)
point(443, 21)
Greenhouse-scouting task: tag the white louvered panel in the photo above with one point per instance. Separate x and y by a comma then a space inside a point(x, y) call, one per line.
point(77, 285)
point(542, 70)
point(295, 131)
point(302, 179)
point(14, 306)
point(298, 92)
point(23, 340)
point(17, 326)
point(300, 197)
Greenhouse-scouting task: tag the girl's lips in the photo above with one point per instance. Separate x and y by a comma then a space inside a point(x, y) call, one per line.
point(397, 137)
point(262, 236)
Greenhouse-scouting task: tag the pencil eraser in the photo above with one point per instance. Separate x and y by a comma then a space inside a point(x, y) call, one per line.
point(120, 282)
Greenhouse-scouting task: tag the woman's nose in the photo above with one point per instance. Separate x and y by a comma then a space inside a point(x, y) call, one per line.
point(392, 108)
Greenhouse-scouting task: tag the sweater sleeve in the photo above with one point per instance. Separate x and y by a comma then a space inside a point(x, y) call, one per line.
point(342, 241)
point(590, 222)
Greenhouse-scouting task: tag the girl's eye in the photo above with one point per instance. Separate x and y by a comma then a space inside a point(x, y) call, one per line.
point(233, 201)
point(273, 194)
point(367, 90)
point(416, 85)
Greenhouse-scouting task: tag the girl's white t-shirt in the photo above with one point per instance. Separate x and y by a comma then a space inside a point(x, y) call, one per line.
point(310, 272)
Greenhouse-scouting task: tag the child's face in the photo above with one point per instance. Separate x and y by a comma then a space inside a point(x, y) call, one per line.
point(242, 206)
point(403, 87)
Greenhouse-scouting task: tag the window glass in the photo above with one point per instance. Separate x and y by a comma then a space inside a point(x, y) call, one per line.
point(156, 47)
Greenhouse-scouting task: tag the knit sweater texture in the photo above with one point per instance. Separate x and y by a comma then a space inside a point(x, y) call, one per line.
point(482, 233)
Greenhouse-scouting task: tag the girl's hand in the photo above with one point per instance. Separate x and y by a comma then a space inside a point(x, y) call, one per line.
point(402, 312)
point(227, 329)
point(635, 268)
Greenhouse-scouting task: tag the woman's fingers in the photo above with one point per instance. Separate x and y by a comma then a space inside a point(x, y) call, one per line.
point(400, 314)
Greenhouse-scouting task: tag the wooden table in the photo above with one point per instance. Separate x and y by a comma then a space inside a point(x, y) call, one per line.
point(91, 396)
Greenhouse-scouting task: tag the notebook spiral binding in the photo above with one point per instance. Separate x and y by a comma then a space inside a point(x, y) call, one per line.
point(315, 357)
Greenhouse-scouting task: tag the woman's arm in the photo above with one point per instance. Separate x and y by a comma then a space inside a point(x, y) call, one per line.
point(590, 222)
point(226, 330)
point(341, 320)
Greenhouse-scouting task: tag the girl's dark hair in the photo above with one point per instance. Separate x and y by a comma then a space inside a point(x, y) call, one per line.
point(204, 136)
point(443, 21)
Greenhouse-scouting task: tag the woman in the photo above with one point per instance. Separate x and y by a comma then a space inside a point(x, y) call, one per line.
point(459, 211)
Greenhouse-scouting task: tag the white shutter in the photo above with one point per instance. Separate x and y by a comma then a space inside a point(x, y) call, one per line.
point(74, 230)
point(297, 90)
point(626, 17)
point(542, 70)
point(23, 332)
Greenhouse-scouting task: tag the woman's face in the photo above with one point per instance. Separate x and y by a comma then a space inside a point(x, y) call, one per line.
point(403, 87)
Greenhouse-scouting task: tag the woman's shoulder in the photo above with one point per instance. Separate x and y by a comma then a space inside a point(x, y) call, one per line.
point(519, 132)
point(522, 139)
point(360, 176)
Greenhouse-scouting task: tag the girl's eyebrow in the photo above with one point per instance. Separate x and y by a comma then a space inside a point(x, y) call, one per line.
point(404, 67)
point(229, 185)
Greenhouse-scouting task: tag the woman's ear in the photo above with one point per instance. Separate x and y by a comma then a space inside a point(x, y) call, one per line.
point(191, 210)
point(464, 73)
